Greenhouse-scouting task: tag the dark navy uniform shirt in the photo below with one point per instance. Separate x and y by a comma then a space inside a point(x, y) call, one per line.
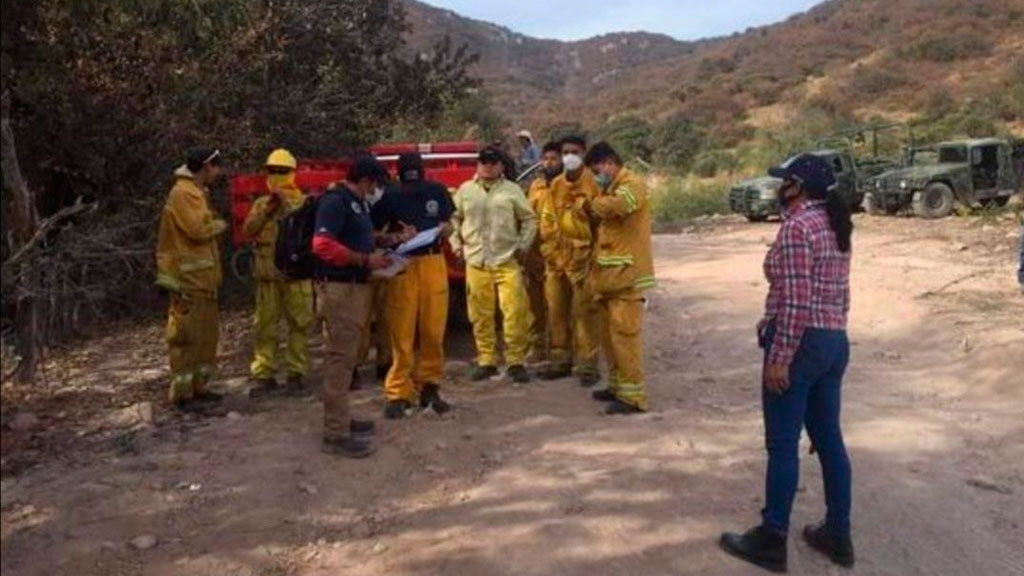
point(344, 217)
point(423, 204)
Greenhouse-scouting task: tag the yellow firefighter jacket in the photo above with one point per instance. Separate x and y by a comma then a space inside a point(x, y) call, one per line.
point(261, 226)
point(187, 256)
point(567, 234)
point(623, 258)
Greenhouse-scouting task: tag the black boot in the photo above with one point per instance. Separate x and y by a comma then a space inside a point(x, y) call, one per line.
point(264, 387)
point(483, 373)
point(556, 372)
point(518, 374)
point(759, 546)
point(839, 550)
point(361, 427)
point(355, 384)
point(396, 409)
point(430, 397)
point(348, 447)
point(589, 379)
point(605, 395)
point(295, 386)
point(382, 371)
point(620, 408)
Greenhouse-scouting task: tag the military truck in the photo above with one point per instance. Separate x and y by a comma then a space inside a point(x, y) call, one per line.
point(756, 199)
point(971, 172)
point(857, 155)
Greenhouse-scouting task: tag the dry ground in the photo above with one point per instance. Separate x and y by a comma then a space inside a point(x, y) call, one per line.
point(532, 480)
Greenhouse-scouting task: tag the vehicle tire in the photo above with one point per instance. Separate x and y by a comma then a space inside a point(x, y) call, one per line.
point(935, 201)
point(243, 261)
point(872, 207)
point(757, 217)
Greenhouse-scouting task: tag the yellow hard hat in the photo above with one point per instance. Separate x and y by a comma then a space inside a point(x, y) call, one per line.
point(281, 158)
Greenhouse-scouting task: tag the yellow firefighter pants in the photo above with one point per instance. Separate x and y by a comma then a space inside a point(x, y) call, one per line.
point(376, 331)
point(535, 287)
point(193, 327)
point(622, 324)
point(505, 282)
point(293, 300)
point(417, 312)
point(573, 321)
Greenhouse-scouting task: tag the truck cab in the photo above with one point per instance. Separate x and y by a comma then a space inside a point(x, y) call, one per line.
point(970, 172)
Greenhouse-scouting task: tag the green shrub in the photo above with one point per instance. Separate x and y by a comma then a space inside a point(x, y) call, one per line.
point(876, 80)
point(949, 47)
point(629, 135)
point(675, 142)
point(680, 199)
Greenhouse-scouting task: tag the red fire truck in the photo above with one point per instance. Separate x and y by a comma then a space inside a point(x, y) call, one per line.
point(450, 163)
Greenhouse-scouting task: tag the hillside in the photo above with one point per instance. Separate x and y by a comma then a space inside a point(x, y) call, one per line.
point(895, 59)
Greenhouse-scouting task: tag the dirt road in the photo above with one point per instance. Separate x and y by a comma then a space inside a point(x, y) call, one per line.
point(532, 480)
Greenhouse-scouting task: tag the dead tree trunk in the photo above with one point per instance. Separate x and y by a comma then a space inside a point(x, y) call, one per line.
point(23, 220)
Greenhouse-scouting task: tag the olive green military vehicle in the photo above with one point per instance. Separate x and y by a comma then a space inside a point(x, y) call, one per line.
point(936, 178)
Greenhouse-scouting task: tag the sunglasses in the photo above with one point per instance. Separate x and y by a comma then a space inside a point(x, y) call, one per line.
point(278, 171)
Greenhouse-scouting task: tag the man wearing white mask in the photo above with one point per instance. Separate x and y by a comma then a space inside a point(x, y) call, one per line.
point(567, 243)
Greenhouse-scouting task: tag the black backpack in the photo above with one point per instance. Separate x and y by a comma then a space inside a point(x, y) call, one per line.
point(293, 248)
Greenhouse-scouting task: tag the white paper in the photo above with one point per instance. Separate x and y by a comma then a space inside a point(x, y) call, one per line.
point(425, 238)
point(398, 264)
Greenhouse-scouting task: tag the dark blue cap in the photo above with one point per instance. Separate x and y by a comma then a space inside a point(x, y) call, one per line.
point(812, 172)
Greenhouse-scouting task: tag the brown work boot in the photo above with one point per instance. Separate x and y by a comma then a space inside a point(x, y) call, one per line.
point(556, 372)
point(350, 447)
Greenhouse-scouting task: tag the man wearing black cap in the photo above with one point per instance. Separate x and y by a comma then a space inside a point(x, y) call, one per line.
point(188, 267)
point(493, 228)
point(344, 245)
point(417, 298)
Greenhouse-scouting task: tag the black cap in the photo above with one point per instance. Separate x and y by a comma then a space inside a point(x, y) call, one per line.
point(600, 152)
point(410, 167)
point(196, 158)
point(491, 155)
point(367, 167)
point(814, 174)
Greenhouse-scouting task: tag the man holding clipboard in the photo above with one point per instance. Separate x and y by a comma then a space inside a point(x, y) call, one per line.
point(418, 297)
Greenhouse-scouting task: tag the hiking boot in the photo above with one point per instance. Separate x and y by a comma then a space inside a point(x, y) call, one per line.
point(430, 397)
point(838, 550)
point(483, 373)
point(759, 546)
point(382, 371)
point(348, 447)
point(396, 409)
point(361, 427)
point(589, 379)
point(355, 384)
point(295, 386)
point(207, 397)
point(518, 374)
point(605, 395)
point(620, 408)
point(555, 372)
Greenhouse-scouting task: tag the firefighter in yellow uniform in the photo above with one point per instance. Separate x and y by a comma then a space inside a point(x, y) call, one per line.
point(551, 167)
point(623, 270)
point(188, 268)
point(567, 243)
point(493, 226)
point(418, 297)
point(277, 295)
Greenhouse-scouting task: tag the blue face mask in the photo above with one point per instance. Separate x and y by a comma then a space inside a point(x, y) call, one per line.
point(603, 180)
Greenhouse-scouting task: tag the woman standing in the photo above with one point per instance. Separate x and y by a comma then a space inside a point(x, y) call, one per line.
point(803, 335)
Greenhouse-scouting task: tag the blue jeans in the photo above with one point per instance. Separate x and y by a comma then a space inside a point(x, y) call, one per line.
point(813, 399)
point(1020, 266)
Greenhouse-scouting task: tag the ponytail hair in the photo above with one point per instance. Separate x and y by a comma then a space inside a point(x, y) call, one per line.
point(839, 219)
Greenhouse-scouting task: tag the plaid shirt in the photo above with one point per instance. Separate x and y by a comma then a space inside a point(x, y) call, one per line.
point(808, 280)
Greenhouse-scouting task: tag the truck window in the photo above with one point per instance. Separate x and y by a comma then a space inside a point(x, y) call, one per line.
point(953, 155)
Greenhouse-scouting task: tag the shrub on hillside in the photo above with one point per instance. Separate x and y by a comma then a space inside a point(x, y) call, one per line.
point(876, 80)
point(675, 142)
point(679, 199)
point(949, 47)
point(629, 135)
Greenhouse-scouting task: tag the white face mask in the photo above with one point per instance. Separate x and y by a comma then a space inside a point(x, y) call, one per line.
point(572, 162)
